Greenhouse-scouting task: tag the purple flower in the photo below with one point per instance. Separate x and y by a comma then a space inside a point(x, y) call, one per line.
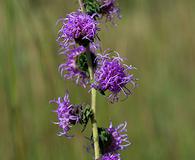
point(113, 76)
point(109, 9)
point(111, 156)
point(119, 139)
point(113, 139)
point(77, 27)
point(75, 66)
point(67, 116)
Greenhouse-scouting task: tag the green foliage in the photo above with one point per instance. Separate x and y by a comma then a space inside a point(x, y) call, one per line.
point(104, 139)
point(81, 62)
point(86, 115)
point(91, 6)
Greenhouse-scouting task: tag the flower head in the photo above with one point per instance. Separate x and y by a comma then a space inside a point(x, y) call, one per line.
point(67, 114)
point(109, 9)
point(70, 68)
point(113, 76)
point(77, 27)
point(119, 140)
point(111, 156)
point(113, 139)
point(75, 66)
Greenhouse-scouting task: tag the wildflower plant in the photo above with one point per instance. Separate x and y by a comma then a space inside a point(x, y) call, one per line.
point(103, 73)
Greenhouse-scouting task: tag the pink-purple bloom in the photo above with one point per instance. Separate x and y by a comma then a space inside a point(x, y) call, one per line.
point(113, 76)
point(67, 117)
point(119, 138)
point(70, 69)
point(112, 140)
point(109, 9)
point(77, 27)
point(111, 156)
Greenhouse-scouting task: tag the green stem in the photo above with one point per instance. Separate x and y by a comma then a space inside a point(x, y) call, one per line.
point(93, 106)
point(81, 5)
point(93, 99)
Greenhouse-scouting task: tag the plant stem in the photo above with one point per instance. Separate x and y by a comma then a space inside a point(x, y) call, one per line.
point(81, 5)
point(93, 98)
point(93, 106)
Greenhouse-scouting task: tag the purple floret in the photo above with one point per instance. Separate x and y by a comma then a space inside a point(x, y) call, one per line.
point(119, 139)
point(77, 27)
point(109, 9)
point(111, 156)
point(70, 68)
point(65, 114)
point(113, 76)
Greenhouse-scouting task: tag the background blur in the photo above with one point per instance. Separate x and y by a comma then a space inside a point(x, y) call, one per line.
point(157, 36)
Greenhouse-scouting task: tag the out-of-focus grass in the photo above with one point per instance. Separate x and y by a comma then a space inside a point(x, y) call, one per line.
point(156, 36)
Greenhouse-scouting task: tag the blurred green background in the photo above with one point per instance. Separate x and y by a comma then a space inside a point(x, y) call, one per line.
point(157, 36)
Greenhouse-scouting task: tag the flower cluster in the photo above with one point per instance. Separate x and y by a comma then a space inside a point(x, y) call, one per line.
point(72, 69)
point(109, 9)
point(66, 115)
point(105, 72)
point(113, 75)
point(77, 27)
point(70, 114)
point(113, 139)
point(119, 139)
